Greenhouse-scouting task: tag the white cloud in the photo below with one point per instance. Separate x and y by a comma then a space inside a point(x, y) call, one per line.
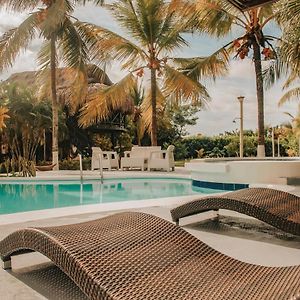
point(224, 106)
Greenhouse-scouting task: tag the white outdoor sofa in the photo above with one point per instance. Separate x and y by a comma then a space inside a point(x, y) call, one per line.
point(138, 157)
point(163, 159)
point(110, 159)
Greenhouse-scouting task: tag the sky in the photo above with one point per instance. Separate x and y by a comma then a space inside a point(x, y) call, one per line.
point(223, 108)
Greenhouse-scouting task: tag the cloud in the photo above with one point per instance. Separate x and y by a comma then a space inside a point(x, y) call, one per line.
point(224, 106)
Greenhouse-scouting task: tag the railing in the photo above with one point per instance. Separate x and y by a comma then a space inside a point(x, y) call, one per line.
point(101, 167)
point(80, 167)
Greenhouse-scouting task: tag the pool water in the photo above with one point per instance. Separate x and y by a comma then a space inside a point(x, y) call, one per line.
point(22, 197)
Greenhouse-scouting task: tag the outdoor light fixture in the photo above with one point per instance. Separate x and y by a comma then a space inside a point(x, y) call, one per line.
point(241, 99)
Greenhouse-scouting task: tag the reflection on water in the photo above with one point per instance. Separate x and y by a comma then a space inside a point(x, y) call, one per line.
point(28, 197)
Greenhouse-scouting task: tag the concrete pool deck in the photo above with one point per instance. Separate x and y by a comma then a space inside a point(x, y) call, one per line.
point(34, 277)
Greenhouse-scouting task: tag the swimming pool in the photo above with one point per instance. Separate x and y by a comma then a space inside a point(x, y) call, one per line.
point(31, 196)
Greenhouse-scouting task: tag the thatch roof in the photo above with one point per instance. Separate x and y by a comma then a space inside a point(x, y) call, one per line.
point(248, 4)
point(64, 77)
point(67, 88)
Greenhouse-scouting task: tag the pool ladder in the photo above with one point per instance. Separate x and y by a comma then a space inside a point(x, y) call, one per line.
point(100, 168)
point(80, 167)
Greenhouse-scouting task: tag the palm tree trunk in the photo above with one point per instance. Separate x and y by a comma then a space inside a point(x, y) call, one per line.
point(54, 104)
point(260, 99)
point(153, 104)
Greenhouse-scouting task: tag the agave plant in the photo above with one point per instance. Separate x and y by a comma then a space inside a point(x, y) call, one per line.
point(219, 17)
point(155, 32)
point(51, 20)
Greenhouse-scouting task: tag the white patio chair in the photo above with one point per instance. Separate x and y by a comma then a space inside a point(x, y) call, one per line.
point(138, 157)
point(133, 159)
point(163, 159)
point(110, 159)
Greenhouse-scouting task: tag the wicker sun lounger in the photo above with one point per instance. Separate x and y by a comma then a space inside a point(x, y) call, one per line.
point(277, 208)
point(136, 256)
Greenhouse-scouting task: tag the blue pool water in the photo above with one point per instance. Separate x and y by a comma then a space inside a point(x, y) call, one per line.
point(21, 197)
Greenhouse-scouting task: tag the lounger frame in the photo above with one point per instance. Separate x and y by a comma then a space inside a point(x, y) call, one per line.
point(277, 208)
point(134, 256)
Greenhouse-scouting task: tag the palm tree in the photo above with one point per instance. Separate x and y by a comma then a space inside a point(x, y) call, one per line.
point(219, 17)
point(137, 97)
point(155, 31)
point(288, 62)
point(54, 23)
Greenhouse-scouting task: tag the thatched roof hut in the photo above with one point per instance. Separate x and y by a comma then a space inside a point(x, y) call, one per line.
point(67, 88)
point(31, 78)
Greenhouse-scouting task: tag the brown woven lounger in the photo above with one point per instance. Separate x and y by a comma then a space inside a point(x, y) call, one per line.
point(139, 256)
point(277, 208)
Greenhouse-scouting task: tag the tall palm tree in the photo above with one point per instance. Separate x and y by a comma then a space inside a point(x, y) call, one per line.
point(54, 23)
point(155, 31)
point(219, 17)
point(288, 62)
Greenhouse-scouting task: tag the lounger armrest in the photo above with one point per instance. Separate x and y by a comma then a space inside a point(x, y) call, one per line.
point(127, 153)
point(162, 153)
point(110, 155)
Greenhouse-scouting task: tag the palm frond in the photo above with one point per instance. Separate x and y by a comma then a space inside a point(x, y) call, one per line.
point(97, 2)
point(217, 17)
point(184, 88)
point(101, 102)
point(20, 5)
point(16, 40)
point(211, 66)
point(130, 17)
point(292, 78)
point(171, 36)
point(54, 17)
point(43, 75)
point(73, 48)
point(293, 94)
point(275, 70)
point(267, 12)
point(290, 49)
point(289, 12)
point(106, 46)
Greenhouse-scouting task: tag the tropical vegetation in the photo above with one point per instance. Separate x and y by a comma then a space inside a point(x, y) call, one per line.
point(155, 32)
point(160, 92)
point(219, 18)
point(54, 23)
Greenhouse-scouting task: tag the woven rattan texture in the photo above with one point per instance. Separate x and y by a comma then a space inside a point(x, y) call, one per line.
point(139, 256)
point(277, 208)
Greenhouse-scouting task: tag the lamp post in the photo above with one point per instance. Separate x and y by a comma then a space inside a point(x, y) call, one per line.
point(241, 99)
point(273, 143)
point(279, 132)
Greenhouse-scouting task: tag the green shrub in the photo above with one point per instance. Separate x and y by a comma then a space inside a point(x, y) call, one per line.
point(74, 164)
